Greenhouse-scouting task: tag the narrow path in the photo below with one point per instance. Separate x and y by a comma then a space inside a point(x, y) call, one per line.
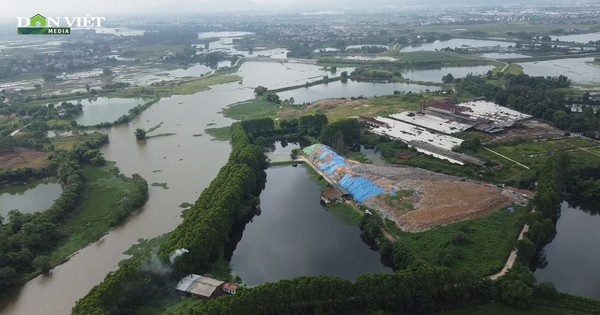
point(527, 167)
point(505, 66)
point(511, 258)
point(17, 131)
point(349, 202)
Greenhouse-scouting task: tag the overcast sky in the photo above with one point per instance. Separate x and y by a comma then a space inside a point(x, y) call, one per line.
point(14, 8)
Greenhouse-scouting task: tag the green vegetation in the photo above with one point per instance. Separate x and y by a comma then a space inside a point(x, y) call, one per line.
point(163, 185)
point(195, 85)
point(140, 134)
point(501, 309)
point(167, 134)
point(109, 199)
point(220, 134)
point(251, 109)
point(316, 177)
point(479, 246)
point(203, 233)
point(345, 213)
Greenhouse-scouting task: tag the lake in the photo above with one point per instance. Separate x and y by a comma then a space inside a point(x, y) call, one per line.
point(338, 89)
point(573, 256)
point(578, 38)
point(294, 235)
point(456, 43)
point(104, 109)
point(579, 70)
point(435, 75)
point(35, 196)
point(504, 56)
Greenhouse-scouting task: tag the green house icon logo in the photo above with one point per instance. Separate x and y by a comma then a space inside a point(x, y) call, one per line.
point(37, 20)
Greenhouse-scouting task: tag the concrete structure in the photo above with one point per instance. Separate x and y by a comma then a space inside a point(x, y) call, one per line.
point(371, 122)
point(203, 287)
point(447, 126)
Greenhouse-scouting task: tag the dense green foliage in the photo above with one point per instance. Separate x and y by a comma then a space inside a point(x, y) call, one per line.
point(425, 289)
point(27, 238)
point(204, 231)
point(341, 133)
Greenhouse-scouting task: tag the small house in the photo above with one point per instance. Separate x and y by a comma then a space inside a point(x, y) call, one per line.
point(229, 288)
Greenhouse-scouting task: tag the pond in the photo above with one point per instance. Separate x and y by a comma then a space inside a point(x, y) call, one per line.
point(373, 155)
point(579, 70)
point(35, 196)
point(339, 89)
point(294, 235)
point(572, 258)
point(104, 109)
point(504, 56)
point(578, 38)
point(435, 75)
point(456, 43)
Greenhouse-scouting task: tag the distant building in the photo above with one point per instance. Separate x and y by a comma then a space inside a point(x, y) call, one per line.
point(204, 287)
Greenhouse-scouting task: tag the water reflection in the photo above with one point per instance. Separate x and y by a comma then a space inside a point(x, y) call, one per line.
point(295, 236)
point(571, 260)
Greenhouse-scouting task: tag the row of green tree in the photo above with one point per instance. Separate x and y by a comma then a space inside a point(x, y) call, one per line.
point(423, 289)
point(203, 232)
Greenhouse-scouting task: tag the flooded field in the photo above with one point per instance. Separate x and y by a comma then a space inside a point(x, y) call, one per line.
point(579, 70)
point(35, 196)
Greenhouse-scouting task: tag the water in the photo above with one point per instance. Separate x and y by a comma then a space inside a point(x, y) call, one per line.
point(373, 155)
point(123, 31)
point(35, 196)
point(197, 70)
point(579, 70)
point(573, 256)
point(350, 88)
point(456, 43)
point(504, 56)
point(104, 109)
point(435, 75)
point(276, 75)
point(295, 236)
point(578, 38)
point(370, 58)
point(205, 35)
point(166, 159)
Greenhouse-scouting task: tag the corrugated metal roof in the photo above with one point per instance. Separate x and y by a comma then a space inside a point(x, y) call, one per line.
point(199, 285)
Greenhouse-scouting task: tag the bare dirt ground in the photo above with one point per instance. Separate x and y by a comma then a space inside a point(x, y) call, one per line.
point(434, 199)
point(23, 158)
point(532, 129)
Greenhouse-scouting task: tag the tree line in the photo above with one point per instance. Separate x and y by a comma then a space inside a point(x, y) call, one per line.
point(203, 232)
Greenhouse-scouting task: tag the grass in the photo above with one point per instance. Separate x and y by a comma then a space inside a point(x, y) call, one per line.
point(197, 85)
point(220, 134)
point(485, 245)
point(513, 69)
point(345, 213)
point(316, 177)
point(501, 309)
point(101, 207)
point(154, 128)
point(251, 109)
point(67, 143)
point(161, 135)
point(596, 150)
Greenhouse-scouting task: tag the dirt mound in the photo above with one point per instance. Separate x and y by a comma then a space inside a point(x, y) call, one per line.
point(23, 158)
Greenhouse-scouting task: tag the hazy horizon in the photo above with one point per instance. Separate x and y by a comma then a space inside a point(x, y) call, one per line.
point(26, 8)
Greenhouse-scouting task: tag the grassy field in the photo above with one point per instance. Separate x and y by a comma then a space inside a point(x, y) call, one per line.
point(197, 85)
point(67, 143)
point(99, 210)
point(345, 213)
point(220, 134)
point(513, 69)
point(251, 109)
point(501, 309)
point(480, 246)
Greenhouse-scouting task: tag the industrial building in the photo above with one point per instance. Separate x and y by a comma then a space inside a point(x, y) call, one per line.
point(204, 287)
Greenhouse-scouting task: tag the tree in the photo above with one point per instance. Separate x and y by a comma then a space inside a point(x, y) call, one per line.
point(107, 72)
point(260, 90)
point(525, 251)
point(344, 74)
point(449, 78)
point(87, 87)
point(292, 101)
point(140, 134)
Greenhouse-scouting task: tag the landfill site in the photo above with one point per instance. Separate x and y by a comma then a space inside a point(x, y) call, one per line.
point(414, 198)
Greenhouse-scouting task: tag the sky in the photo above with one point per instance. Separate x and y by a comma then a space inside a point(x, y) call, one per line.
point(27, 8)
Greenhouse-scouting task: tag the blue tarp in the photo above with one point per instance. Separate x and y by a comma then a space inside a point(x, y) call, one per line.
point(361, 188)
point(511, 209)
point(393, 191)
point(416, 194)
